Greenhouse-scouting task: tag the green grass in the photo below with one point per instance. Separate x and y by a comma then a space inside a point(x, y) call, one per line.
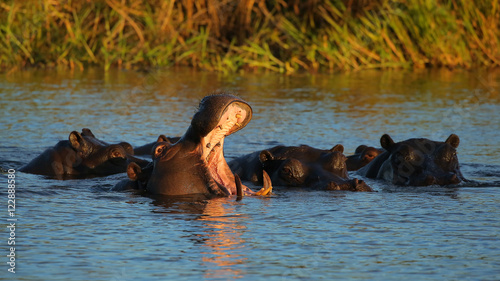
point(248, 35)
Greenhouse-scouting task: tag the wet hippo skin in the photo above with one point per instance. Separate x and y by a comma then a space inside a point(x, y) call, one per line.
point(195, 164)
point(82, 155)
point(299, 166)
point(416, 162)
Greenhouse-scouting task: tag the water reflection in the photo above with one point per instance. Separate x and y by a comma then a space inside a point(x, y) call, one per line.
point(224, 246)
point(217, 231)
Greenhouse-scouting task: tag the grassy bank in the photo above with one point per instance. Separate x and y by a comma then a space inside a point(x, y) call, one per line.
point(225, 35)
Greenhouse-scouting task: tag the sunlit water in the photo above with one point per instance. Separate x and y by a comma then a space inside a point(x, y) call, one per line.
point(79, 230)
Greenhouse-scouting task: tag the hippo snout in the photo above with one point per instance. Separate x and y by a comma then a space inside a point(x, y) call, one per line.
point(360, 185)
point(440, 180)
point(350, 185)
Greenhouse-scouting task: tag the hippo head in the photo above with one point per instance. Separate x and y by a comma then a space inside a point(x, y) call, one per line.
point(97, 157)
point(362, 156)
point(305, 166)
point(218, 116)
point(335, 161)
point(196, 163)
point(421, 162)
point(285, 172)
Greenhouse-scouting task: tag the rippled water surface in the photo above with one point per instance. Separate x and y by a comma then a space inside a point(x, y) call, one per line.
point(79, 230)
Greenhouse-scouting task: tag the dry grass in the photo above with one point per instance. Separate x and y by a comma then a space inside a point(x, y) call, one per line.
point(229, 36)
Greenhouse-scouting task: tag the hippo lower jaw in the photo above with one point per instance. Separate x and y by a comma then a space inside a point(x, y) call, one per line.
point(213, 146)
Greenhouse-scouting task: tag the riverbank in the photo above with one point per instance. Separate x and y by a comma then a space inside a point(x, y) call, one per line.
point(247, 35)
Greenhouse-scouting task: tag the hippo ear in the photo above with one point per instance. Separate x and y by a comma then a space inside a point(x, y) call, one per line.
point(163, 138)
point(265, 155)
point(76, 140)
point(338, 147)
point(133, 171)
point(128, 147)
point(386, 142)
point(360, 149)
point(453, 140)
point(87, 132)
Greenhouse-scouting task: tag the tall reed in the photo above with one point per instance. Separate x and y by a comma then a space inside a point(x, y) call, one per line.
point(229, 36)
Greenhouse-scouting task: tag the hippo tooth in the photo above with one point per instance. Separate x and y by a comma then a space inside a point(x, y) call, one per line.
point(238, 116)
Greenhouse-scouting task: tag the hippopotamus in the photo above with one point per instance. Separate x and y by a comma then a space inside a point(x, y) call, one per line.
point(416, 162)
point(302, 166)
point(147, 148)
point(361, 157)
point(195, 164)
point(82, 155)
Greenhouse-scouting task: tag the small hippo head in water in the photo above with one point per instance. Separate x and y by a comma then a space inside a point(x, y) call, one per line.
point(82, 155)
point(417, 162)
point(196, 163)
point(361, 157)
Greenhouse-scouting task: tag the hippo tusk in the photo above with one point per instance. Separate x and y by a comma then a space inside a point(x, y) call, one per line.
point(239, 188)
point(268, 187)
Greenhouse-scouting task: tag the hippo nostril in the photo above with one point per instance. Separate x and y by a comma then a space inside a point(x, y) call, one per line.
point(333, 186)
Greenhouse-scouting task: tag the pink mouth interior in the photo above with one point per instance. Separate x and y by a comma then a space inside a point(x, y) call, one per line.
point(213, 146)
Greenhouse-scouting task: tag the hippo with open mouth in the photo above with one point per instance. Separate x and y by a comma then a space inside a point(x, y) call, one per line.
point(196, 164)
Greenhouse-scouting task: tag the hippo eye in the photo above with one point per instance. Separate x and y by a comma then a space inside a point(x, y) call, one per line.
point(287, 171)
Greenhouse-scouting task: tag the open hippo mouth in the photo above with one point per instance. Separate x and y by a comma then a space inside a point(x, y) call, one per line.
point(225, 121)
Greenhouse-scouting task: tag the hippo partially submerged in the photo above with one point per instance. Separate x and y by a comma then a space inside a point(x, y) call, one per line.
point(416, 162)
point(195, 164)
point(299, 166)
point(82, 155)
point(361, 157)
point(147, 148)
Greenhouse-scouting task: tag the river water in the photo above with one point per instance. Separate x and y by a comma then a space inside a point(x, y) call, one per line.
point(79, 230)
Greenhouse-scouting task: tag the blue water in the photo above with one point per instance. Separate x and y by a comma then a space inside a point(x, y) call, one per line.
point(79, 230)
